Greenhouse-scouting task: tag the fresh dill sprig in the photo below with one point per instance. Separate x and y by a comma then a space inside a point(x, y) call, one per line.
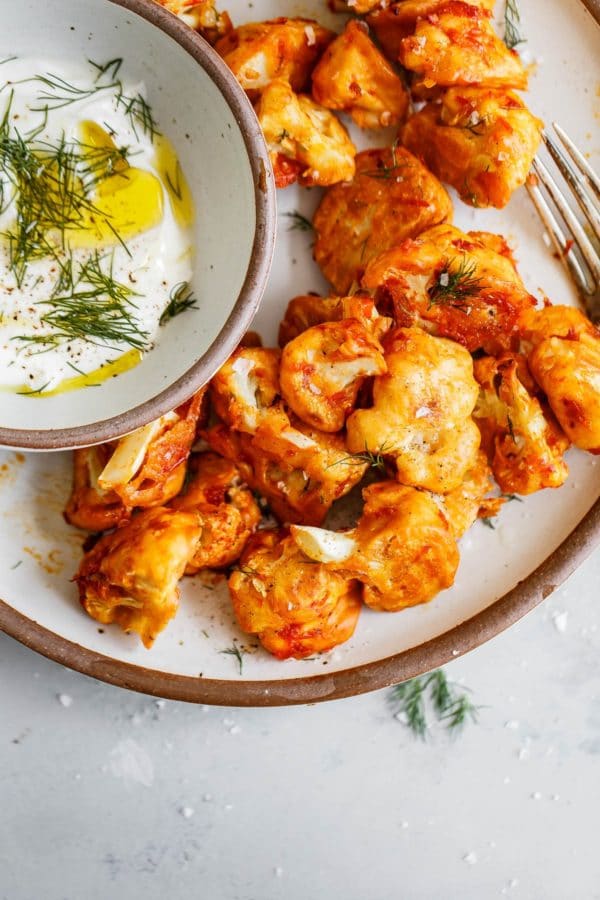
point(299, 222)
point(452, 287)
point(450, 705)
point(181, 298)
point(512, 25)
point(93, 307)
point(485, 520)
point(374, 459)
point(385, 173)
point(509, 497)
point(238, 653)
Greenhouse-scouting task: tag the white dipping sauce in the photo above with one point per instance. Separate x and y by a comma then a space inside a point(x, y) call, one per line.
point(157, 258)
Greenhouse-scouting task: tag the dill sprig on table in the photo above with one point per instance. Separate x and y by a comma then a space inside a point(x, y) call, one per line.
point(451, 706)
point(512, 25)
point(453, 286)
point(181, 298)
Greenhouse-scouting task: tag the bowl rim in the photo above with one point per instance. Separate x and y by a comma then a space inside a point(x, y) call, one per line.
point(257, 273)
point(381, 673)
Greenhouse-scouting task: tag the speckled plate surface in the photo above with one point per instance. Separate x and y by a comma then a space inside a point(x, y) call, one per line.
point(503, 573)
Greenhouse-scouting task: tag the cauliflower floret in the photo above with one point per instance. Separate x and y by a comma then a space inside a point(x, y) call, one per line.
point(299, 470)
point(357, 7)
point(305, 311)
point(457, 45)
point(130, 576)
point(89, 506)
point(392, 197)
point(228, 511)
point(260, 52)
point(402, 549)
point(202, 16)
point(306, 142)
point(524, 443)
point(421, 413)
point(453, 285)
point(354, 77)
point(145, 468)
point(323, 369)
point(468, 501)
point(481, 141)
point(246, 387)
point(565, 362)
point(294, 606)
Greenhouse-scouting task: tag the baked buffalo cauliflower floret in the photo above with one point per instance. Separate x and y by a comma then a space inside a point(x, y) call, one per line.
point(89, 506)
point(300, 471)
point(294, 606)
point(354, 77)
point(130, 576)
point(202, 16)
point(565, 362)
point(306, 142)
point(480, 140)
point(227, 509)
point(524, 444)
point(421, 413)
point(145, 468)
point(323, 369)
point(260, 52)
point(469, 501)
point(246, 387)
point(305, 311)
point(402, 549)
point(392, 197)
point(456, 45)
point(453, 285)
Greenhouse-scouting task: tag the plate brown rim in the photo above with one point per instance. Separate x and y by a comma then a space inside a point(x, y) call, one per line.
point(257, 272)
point(466, 636)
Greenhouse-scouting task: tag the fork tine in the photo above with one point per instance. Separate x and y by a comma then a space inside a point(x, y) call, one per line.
point(580, 237)
point(576, 182)
point(558, 236)
point(578, 157)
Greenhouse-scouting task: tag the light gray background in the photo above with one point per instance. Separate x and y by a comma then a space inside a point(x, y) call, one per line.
point(108, 794)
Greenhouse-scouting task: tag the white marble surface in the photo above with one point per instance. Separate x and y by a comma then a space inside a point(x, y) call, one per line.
point(107, 794)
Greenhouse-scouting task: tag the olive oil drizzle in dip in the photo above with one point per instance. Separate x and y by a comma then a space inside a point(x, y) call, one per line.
point(95, 219)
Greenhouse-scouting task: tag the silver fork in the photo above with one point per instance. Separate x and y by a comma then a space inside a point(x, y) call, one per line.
point(574, 245)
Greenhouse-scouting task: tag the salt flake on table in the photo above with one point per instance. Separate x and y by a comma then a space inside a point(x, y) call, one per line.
point(470, 858)
point(65, 700)
point(560, 621)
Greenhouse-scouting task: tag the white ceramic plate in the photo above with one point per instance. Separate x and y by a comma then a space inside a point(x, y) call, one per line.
point(39, 552)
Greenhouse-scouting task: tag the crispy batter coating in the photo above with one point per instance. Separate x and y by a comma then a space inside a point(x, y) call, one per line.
point(457, 45)
point(305, 311)
point(161, 472)
point(300, 471)
point(228, 511)
point(130, 576)
point(357, 7)
point(353, 76)
point(567, 322)
point(145, 468)
point(453, 285)
point(421, 413)
point(392, 197)
point(246, 387)
point(260, 52)
point(89, 506)
point(201, 15)
point(306, 142)
point(403, 550)
point(480, 140)
point(323, 369)
point(468, 501)
point(524, 443)
point(295, 607)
